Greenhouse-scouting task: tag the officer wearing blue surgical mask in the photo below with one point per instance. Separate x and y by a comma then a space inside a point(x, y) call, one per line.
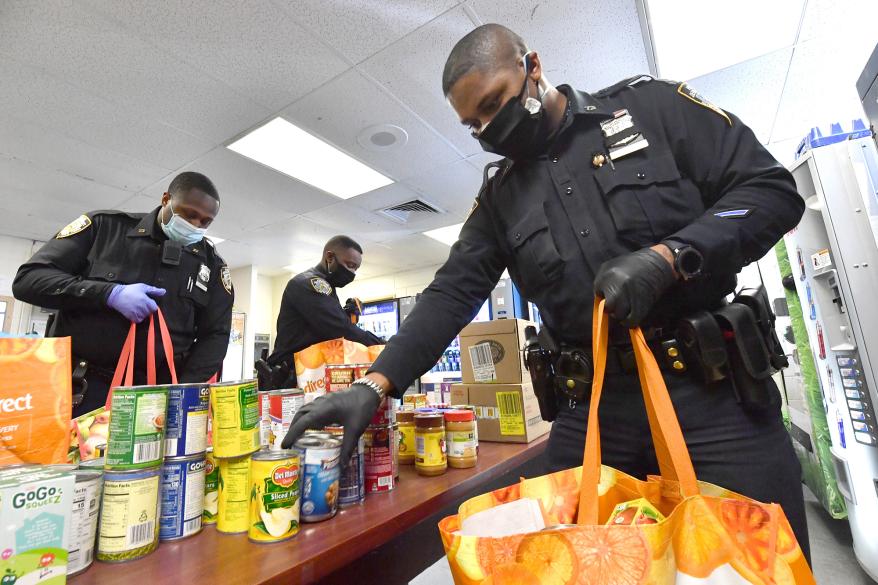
point(107, 269)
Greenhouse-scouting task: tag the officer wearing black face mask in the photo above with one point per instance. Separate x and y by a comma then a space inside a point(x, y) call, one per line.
point(310, 312)
point(643, 193)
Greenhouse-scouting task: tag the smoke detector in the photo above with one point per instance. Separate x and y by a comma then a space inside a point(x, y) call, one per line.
point(382, 137)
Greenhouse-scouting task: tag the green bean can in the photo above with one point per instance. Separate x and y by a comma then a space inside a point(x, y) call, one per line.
point(137, 427)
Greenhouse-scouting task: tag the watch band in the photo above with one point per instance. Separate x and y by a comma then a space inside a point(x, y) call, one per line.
point(371, 384)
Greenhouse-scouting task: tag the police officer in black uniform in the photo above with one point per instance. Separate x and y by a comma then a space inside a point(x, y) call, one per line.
point(643, 193)
point(310, 312)
point(109, 268)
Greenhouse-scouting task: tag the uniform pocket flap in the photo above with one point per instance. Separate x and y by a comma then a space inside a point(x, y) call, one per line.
point(660, 169)
point(526, 227)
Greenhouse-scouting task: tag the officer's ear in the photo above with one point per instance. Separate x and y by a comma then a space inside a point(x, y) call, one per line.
point(533, 65)
point(165, 198)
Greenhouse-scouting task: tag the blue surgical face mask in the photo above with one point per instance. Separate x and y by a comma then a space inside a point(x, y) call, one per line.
point(181, 231)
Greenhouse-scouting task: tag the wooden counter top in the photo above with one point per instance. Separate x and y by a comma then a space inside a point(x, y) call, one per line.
point(319, 549)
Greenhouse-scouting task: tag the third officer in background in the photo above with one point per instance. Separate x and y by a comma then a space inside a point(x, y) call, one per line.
point(643, 193)
point(310, 312)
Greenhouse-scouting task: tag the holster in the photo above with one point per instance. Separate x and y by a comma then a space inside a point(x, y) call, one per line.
point(538, 361)
point(703, 344)
point(80, 384)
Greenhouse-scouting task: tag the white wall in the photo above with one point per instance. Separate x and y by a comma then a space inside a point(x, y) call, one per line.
point(244, 281)
point(262, 305)
point(13, 253)
point(402, 284)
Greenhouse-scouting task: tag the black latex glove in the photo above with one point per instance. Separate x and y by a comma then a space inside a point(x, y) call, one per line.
point(631, 284)
point(352, 408)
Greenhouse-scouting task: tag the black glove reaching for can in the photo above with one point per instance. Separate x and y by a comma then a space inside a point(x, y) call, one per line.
point(352, 408)
point(631, 284)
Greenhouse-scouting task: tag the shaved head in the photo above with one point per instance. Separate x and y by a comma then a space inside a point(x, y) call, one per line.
point(487, 48)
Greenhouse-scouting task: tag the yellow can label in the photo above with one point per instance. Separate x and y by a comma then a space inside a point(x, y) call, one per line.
point(235, 425)
point(430, 447)
point(274, 499)
point(233, 495)
point(129, 518)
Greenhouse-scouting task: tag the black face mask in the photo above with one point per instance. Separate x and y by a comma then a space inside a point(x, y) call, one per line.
point(518, 131)
point(341, 276)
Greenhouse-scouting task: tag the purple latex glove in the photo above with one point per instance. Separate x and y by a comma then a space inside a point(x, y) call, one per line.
point(134, 301)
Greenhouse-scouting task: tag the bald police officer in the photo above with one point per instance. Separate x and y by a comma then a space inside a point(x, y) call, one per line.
point(310, 312)
point(109, 268)
point(646, 194)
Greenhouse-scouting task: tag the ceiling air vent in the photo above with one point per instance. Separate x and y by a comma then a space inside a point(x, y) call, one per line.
point(403, 212)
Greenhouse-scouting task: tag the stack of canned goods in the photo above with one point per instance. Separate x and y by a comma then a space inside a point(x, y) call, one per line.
point(277, 408)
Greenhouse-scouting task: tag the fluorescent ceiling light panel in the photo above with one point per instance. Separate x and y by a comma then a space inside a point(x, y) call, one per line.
point(447, 235)
point(290, 150)
point(695, 37)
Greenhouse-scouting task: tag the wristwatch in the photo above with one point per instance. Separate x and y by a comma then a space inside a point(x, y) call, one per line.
point(688, 262)
point(371, 384)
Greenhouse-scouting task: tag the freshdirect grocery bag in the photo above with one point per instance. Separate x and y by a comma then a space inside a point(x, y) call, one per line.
point(311, 362)
point(710, 535)
point(35, 399)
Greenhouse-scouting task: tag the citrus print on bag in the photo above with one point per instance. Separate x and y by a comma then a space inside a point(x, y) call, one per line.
point(35, 400)
point(696, 533)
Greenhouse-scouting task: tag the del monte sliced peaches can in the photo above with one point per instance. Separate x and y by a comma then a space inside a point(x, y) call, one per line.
point(274, 495)
point(137, 427)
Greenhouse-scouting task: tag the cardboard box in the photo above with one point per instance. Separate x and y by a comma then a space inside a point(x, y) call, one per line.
point(495, 346)
point(505, 413)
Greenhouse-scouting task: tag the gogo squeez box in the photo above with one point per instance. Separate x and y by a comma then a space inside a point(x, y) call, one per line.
point(35, 522)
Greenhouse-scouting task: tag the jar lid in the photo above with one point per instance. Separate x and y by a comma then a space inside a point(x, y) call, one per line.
point(459, 415)
point(429, 420)
point(405, 416)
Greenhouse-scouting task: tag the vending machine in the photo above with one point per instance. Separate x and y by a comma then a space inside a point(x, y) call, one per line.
point(380, 317)
point(833, 265)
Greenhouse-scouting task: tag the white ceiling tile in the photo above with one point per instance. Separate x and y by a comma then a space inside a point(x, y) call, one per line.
point(360, 28)
point(352, 220)
point(750, 90)
point(102, 58)
point(589, 45)
point(341, 109)
point(481, 160)
point(453, 187)
point(412, 70)
point(57, 152)
point(252, 195)
point(821, 85)
point(84, 116)
point(254, 47)
point(410, 252)
point(784, 151)
point(836, 19)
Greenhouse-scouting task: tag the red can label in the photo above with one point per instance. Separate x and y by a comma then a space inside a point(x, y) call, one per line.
point(341, 377)
point(385, 415)
point(379, 459)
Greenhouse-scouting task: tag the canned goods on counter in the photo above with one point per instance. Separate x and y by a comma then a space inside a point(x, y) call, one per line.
point(182, 497)
point(235, 425)
point(137, 427)
point(283, 406)
point(352, 483)
point(86, 509)
point(378, 459)
point(186, 427)
point(319, 460)
point(129, 526)
point(264, 418)
point(211, 485)
point(233, 495)
point(274, 495)
point(97, 463)
point(385, 415)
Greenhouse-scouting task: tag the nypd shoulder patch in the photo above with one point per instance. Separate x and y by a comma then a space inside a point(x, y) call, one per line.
point(74, 227)
point(689, 93)
point(320, 285)
point(226, 279)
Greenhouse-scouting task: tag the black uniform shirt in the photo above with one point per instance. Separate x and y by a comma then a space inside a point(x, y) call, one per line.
point(703, 180)
point(310, 312)
point(76, 271)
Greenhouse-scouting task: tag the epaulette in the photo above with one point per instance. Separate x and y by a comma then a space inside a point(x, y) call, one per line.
point(625, 83)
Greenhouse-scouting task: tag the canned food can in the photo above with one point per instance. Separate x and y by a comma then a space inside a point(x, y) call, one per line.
point(186, 427)
point(283, 406)
point(386, 413)
point(233, 495)
point(379, 459)
point(211, 485)
point(397, 438)
point(137, 427)
point(274, 495)
point(129, 526)
point(264, 418)
point(352, 483)
point(86, 510)
point(319, 460)
point(339, 377)
point(235, 408)
point(182, 497)
point(97, 463)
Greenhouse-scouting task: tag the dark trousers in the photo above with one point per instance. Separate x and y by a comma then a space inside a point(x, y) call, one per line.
point(747, 452)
